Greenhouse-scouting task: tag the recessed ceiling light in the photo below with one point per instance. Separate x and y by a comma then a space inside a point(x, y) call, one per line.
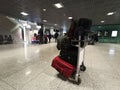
point(44, 20)
point(55, 24)
point(102, 21)
point(70, 17)
point(110, 13)
point(24, 13)
point(58, 5)
point(44, 9)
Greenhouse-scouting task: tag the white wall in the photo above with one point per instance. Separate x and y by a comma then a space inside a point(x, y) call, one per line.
point(17, 36)
point(10, 26)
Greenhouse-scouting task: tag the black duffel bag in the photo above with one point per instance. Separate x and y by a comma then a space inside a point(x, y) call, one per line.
point(82, 29)
point(70, 56)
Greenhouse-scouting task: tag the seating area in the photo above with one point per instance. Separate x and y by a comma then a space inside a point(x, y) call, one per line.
point(6, 39)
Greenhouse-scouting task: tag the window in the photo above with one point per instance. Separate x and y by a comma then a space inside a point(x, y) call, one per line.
point(106, 33)
point(114, 33)
point(100, 33)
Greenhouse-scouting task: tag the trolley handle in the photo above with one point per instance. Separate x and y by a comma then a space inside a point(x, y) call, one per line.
point(79, 40)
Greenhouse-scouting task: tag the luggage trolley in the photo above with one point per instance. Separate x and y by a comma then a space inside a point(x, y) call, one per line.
point(67, 69)
point(74, 72)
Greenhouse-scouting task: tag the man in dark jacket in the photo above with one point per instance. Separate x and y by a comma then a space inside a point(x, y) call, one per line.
point(56, 36)
point(49, 37)
point(40, 32)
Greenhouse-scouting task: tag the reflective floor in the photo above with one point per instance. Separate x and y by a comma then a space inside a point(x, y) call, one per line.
point(28, 67)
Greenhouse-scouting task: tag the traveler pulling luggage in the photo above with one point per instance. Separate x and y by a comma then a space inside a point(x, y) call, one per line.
point(69, 63)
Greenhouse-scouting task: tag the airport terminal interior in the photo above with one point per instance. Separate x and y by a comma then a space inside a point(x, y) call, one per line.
point(59, 44)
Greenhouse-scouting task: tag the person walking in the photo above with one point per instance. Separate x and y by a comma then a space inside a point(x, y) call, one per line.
point(49, 37)
point(56, 36)
point(40, 33)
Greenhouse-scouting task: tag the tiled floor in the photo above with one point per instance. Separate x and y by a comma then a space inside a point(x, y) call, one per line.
point(27, 67)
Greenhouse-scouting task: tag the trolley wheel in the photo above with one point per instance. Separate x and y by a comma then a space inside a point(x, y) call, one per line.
point(78, 82)
point(82, 68)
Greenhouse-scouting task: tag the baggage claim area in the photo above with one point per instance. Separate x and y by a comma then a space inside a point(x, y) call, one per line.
point(59, 45)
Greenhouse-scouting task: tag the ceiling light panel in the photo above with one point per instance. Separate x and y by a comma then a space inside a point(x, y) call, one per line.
point(44, 9)
point(110, 13)
point(102, 21)
point(58, 5)
point(70, 17)
point(24, 13)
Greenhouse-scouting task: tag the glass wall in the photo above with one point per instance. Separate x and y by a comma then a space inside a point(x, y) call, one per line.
point(107, 33)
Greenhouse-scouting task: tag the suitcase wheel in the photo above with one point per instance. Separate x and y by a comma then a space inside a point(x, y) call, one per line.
point(83, 68)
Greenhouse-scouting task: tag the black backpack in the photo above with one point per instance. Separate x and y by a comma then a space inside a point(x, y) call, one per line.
point(63, 43)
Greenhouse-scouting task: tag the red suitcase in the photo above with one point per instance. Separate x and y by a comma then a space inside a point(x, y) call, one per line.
point(63, 67)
